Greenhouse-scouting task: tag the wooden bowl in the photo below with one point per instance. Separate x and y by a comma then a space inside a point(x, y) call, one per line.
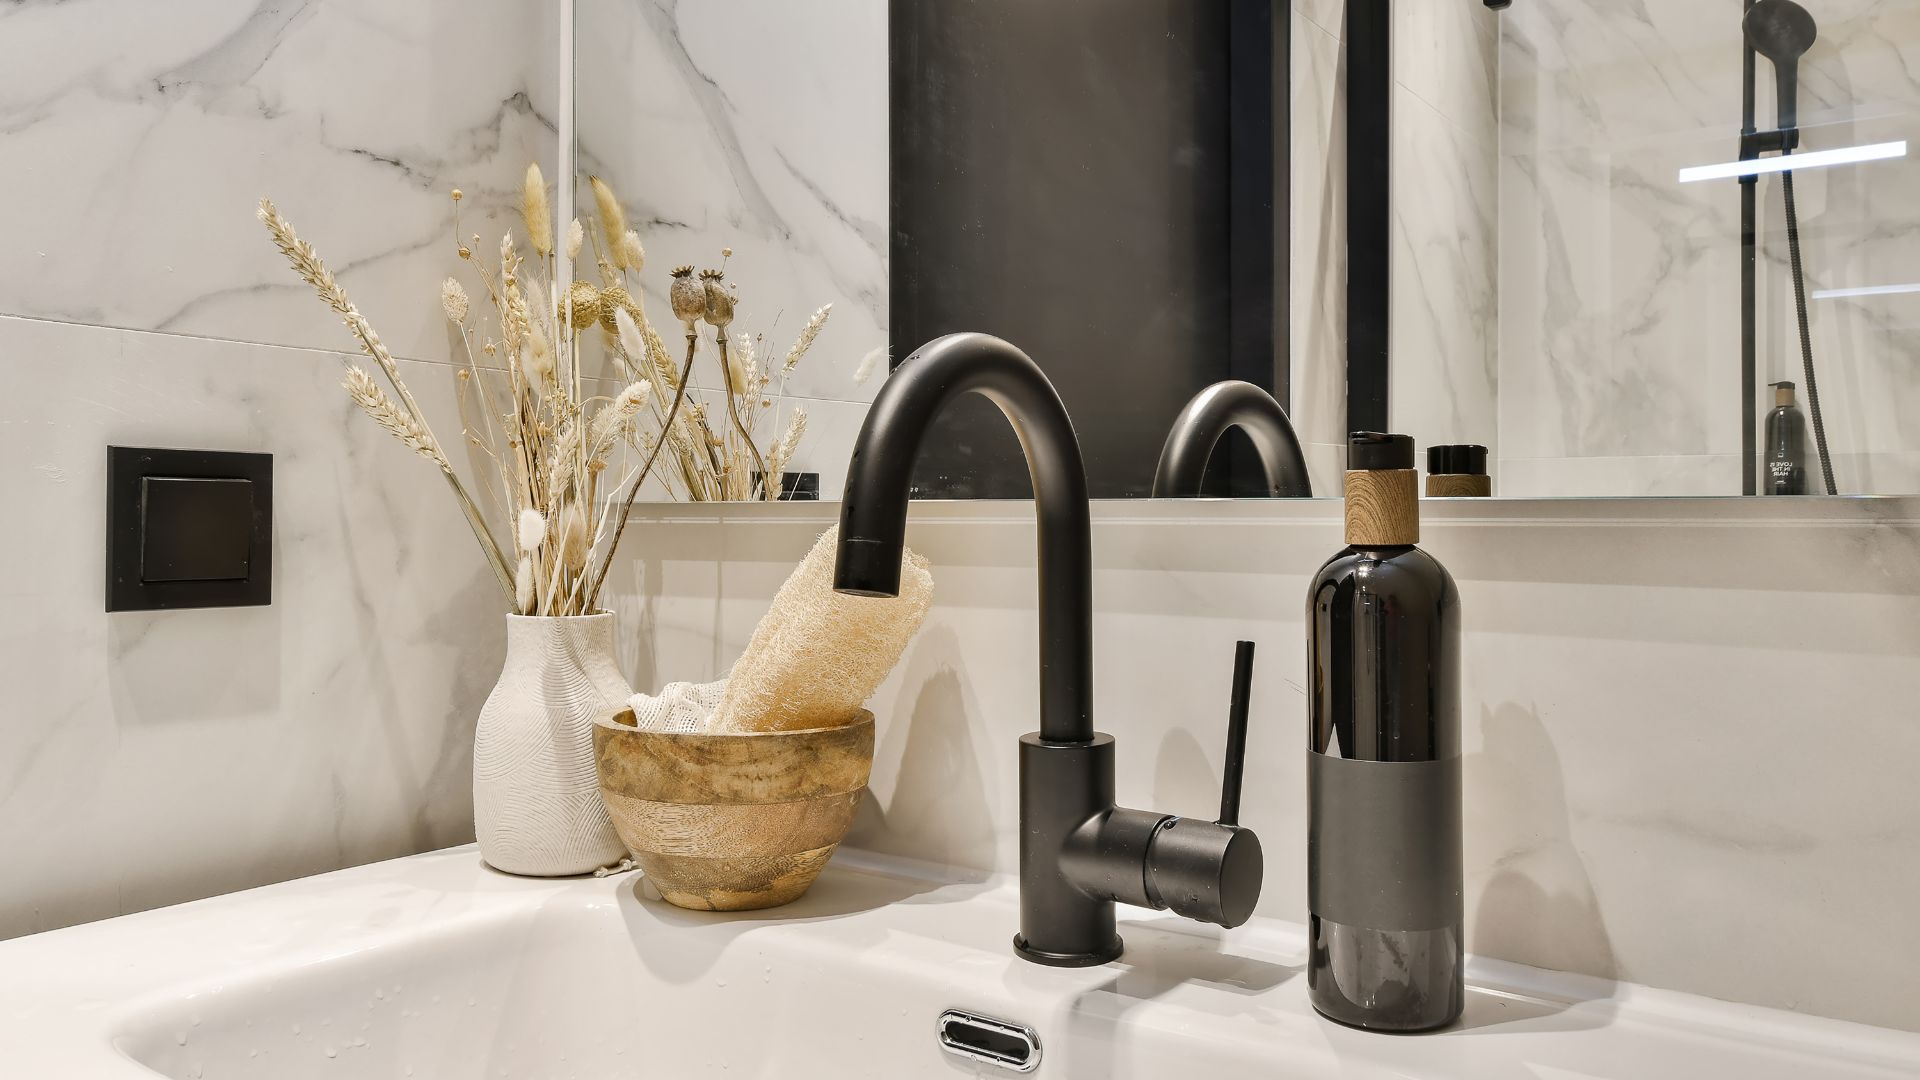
point(732, 822)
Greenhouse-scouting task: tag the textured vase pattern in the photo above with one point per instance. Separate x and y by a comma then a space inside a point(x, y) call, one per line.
point(536, 801)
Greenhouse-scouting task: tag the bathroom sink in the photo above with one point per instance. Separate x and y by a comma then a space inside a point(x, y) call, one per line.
point(435, 967)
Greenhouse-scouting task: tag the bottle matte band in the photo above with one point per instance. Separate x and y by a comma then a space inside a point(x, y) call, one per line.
point(1383, 842)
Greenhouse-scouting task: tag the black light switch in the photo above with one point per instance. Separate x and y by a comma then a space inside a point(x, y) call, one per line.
point(188, 528)
point(194, 529)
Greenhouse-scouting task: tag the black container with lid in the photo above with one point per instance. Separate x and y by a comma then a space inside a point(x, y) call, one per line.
point(1383, 762)
point(1458, 469)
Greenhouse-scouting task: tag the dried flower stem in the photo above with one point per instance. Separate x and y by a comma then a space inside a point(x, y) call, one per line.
point(306, 262)
point(626, 507)
point(733, 411)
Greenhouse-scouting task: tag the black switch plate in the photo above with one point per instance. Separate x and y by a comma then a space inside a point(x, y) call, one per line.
point(194, 529)
point(188, 528)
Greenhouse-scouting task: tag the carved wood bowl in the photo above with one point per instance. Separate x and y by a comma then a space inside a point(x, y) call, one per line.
point(732, 822)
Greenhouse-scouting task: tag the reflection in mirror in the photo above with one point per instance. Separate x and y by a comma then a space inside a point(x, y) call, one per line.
point(1096, 185)
point(758, 128)
point(1597, 242)
point(1693, 205)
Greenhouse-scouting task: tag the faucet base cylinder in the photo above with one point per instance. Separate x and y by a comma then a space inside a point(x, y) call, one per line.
point(1068, 959)
point(1062, 786)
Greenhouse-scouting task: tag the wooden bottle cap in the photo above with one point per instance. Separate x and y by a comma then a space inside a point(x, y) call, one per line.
point(1383, 507)
point(1457, 485)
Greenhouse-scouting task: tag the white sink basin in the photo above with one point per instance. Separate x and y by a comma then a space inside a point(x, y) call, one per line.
point(435, 967)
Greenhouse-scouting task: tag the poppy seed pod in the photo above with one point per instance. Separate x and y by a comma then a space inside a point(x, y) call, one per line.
point(719, 302)
point(688, 299)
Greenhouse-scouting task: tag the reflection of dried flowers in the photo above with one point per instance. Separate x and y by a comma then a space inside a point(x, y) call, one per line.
point(614, 298)
point(584, 303)
point(719, 309)
point(688, 297)
point(613, 223)
point(744, 457)
point(534, 212)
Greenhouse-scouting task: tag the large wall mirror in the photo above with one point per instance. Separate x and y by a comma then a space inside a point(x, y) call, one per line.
point(1631, 250)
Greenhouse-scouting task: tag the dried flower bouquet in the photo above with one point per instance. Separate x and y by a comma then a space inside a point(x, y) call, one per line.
point(550, 441)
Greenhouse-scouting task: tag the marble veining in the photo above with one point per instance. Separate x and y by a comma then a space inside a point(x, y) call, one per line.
point(1318, 330)
point(331, 728)
point(133, 163)
point(761, 127)
point(1619, 288)
point(1444, 383)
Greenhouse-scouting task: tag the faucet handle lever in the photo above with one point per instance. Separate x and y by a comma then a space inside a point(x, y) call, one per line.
point(1236, 733)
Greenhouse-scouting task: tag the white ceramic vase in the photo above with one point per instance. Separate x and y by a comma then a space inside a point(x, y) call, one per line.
point(536, 802)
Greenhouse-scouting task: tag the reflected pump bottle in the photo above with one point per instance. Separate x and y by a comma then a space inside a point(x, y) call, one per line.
point(1383, 761)
point(1786, 444)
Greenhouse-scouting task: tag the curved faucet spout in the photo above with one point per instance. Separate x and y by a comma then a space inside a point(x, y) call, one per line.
point(873, 512)
point(1183, 459)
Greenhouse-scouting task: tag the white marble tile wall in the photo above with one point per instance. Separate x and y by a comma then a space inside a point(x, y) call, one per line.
point(152, 757)
point(759, 126)
point(1443, 384)
point(1690, 773)
point(147, 758)
point(762, 127)
point(139, 137)
point(1318, 238)
point(1619, 287)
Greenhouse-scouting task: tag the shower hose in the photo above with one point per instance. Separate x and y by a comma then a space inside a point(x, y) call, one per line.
point(1806, 339)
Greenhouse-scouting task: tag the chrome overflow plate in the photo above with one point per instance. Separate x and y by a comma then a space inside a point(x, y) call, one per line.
point(1000, 1043)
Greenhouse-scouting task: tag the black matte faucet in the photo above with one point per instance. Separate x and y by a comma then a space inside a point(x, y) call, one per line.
point(1079, 852)
point(1228, 404)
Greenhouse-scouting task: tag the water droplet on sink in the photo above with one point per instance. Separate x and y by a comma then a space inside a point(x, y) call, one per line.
point(720, 982)
point(471, 1002)
point(180, 1037)
point(296, 1029)
point(379, 994)
point(331, 1052)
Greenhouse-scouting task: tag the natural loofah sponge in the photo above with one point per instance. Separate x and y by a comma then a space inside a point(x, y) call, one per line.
point(680, 707)
point(818, 655)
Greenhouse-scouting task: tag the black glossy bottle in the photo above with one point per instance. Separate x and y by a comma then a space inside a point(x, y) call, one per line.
point(1383, 762)
point(1786, 445)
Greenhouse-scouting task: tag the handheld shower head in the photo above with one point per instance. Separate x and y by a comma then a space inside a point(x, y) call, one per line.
point(1781, 31)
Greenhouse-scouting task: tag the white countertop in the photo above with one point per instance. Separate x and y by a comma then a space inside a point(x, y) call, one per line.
point(435, 966)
